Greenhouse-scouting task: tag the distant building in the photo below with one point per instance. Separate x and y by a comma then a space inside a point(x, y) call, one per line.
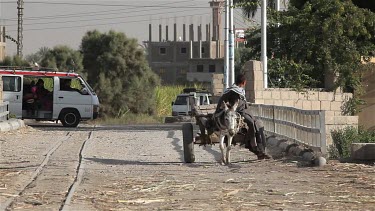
point(2, 43)
point(192, 58)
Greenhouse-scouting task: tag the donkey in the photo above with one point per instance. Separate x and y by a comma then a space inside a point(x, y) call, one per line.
point(228, 121)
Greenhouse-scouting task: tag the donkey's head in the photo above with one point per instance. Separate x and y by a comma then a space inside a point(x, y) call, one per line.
point(230, 118)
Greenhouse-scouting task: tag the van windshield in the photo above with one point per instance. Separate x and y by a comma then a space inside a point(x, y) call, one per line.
point(87, 85)
point(181, 100)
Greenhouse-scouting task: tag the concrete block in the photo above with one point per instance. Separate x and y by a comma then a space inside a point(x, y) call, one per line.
point(302, 96)
point(276, 95)
point(336, 106)
point(325, 105)
point(323, 96)
point(363, 151)
point(330, 113)
point(268, 102)
point(258, 85)
point(288, 103)
point(306, 105)
point(313, 95)
point(259, 101)
point(284, 95)
point(315, 105)
point(299, 104)
point(338, 113)
point(293, 95)
point(267, 94)
point(259, 94)
point(330, 120)
point(346, 120)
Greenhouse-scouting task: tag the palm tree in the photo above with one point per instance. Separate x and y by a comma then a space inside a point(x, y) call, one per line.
point(250, 7)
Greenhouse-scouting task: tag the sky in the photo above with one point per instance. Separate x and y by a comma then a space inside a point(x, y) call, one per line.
point(48, 23)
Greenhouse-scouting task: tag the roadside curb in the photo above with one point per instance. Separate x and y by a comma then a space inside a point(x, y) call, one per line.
point(297, 150)
point(11, 124)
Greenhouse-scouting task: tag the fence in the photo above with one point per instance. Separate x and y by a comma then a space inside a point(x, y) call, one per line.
point(302, 126)
point(4, 111)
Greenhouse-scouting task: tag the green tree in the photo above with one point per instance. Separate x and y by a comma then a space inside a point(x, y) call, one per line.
point(61, 57)
point(38, 56)
point(118, 70)
point(14, 61)
point(331, 36)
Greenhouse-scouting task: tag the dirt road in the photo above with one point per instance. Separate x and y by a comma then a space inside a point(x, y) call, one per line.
point(142, 168)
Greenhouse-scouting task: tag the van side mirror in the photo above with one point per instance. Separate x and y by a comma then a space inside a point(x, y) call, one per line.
point(84, 91)
point(172, 103)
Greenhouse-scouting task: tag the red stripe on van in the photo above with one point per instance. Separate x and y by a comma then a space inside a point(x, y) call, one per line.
point(39, 73)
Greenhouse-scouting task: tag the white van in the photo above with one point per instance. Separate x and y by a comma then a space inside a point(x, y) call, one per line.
point(49, 95)
point(182, 105)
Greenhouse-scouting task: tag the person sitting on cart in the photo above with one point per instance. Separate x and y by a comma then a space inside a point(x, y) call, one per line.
point(235, 93)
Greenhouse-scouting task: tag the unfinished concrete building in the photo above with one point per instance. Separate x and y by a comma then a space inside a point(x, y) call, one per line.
point(188, 58)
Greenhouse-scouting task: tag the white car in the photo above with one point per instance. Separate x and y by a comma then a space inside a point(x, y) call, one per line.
point(182, 105)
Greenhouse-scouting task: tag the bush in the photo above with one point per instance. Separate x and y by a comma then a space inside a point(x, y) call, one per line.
point(343, 138)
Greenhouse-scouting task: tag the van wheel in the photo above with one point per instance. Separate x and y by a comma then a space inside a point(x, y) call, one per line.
point(70, 118)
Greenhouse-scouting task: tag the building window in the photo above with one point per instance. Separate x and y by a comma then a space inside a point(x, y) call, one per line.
point(199, 68)
point(163, 51)
point(183, 50)
point(211, 68)
point(162, 71)
point(202, 50)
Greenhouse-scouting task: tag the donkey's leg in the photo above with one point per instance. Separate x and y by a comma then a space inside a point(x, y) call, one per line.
point(222, 149)
point(229, 147)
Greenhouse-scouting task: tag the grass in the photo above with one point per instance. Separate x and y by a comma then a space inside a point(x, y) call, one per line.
point(165, 95)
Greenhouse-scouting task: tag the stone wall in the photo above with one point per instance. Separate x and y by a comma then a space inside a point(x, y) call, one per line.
point(217, 85)
point(331, 102)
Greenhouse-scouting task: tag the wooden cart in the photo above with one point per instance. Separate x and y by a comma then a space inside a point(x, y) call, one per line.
point(207, 135)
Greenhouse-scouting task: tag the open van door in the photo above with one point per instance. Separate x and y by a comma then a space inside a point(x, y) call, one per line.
point(13, 93)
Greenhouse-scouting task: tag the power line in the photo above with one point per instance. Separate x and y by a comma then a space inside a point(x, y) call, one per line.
point(112, 5)
point(100, 24)
point(98, 19)
point(95, 13)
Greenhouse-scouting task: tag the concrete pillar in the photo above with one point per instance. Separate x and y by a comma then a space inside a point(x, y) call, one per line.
point(160, 33)
point(191, 32)
point(191, 49)
point(150, 32)
point(218, 28)
point(217, 9)
point(218, 48)
point(175, 32)
point(166, 33)
point(207, 33)
point(200, 49)
point(184, 32)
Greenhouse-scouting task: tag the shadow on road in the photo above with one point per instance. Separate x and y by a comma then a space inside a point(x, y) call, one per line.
point(142, 163)
point(175, 144)
point(85, 127)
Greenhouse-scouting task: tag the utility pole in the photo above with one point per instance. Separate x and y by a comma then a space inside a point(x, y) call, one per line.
point(264, 42)
point(20, 28)
point(226, 46)
point(231, 43)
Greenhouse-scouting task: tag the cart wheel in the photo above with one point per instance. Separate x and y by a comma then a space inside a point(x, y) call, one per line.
point(187, 134)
